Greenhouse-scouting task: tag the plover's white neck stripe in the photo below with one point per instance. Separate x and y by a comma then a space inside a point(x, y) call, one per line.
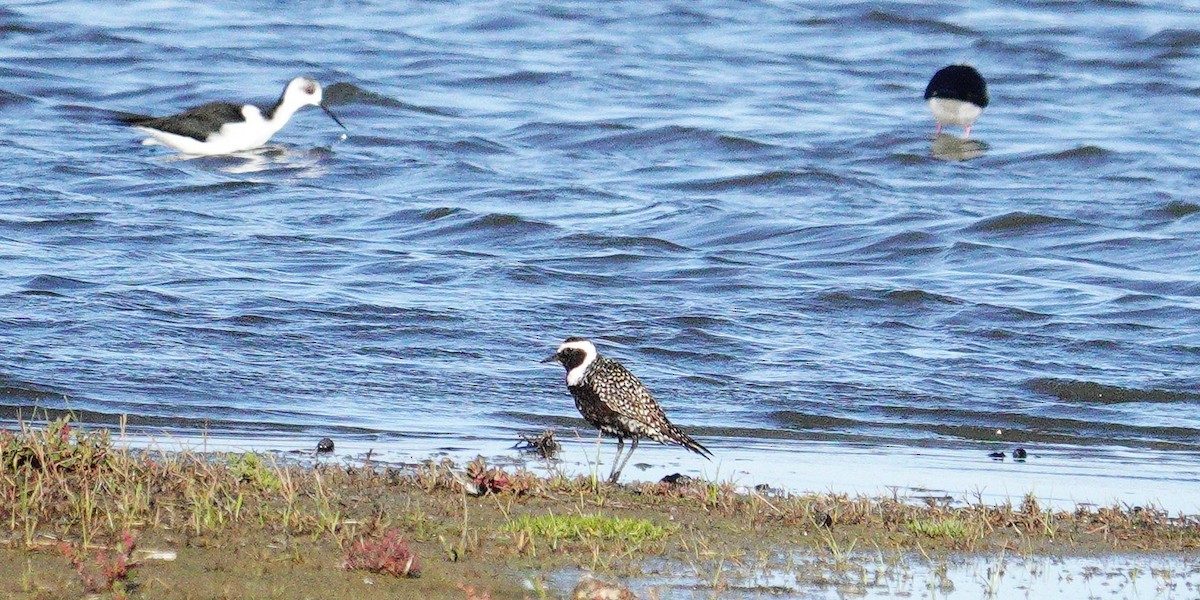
point(575, 375)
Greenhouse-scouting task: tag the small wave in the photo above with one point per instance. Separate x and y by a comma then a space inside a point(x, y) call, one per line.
point(1177, 209)
point(909, 297)
point(765, 179)
point(874, 298)
point(888, 20)
point(54, 283)
point(1173, 39)
point(410, 216)
point(734, 142)
point(1088, 391)
point(627, 138)
point(1018, 221)
point(10, 99)
point(1001, 424)
point(24, 392)
point(36, 293)
point(224, 189)
point(1082, 154)
point(517, 78)
point(251, 320)
point(66, 220)
point(798, 420)
point(476, 144)
point(563, 133)
point(624, 242)
point(483, 229)
point(908, 243)
point(342, 93)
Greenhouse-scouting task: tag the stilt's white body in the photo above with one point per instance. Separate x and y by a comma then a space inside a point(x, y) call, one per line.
point(948, 111)
point(232, 137)
point(219, 125)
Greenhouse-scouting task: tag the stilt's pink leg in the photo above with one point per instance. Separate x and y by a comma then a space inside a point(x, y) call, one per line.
point(938, 131)
point(967, 133)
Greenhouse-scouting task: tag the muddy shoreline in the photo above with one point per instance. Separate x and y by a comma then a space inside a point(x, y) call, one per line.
point(192, 525)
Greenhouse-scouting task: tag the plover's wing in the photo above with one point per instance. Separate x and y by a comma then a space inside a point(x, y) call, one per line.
point(197, 123)
point(623, 393)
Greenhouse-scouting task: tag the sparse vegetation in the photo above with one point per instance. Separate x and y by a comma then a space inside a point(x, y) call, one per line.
point(556, 528)
point(254, 526)
point(951, 528)
point(388, 554)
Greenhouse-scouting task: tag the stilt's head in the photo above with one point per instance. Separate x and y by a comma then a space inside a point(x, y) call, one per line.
point(303, 91)
point(957, 95)
point(576, 354)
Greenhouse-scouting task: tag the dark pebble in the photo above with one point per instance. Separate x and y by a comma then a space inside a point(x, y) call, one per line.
point(1019, 454)
point(325, 445)
point(997, 455)
point(676, 479)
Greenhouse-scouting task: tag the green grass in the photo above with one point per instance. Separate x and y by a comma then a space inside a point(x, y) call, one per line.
point(556, 528)
point(249, 467)
point(948, 528)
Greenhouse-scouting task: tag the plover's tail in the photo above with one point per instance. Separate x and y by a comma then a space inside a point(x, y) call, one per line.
point(674, 435)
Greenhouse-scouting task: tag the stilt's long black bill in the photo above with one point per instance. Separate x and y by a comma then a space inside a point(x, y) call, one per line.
point(333, 116)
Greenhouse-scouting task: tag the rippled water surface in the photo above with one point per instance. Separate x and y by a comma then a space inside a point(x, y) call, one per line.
point(739, 200)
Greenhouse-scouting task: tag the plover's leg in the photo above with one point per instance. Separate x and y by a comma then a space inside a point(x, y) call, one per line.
point(620, 468)
point(615, 472)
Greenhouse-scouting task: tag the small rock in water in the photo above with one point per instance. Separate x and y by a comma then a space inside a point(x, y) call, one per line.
point(590, 588)
point(1019, 454)
point(676, 479)
point(324, 446)
point(997, 455)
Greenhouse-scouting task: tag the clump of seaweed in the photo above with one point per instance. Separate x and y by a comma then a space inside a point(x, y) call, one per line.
point(494, 480)
point(544, 444)
point(388, 554)
point(105, 572)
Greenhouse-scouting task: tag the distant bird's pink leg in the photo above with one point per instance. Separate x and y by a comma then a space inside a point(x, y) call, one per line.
point(937, 131)
point(967, 132)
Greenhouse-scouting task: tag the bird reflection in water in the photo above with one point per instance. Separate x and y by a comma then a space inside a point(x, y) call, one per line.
point(949, 147)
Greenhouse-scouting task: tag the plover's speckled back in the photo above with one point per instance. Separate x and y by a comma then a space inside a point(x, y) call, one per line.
point(614, 401)
point(224, 127)
point(957, 95)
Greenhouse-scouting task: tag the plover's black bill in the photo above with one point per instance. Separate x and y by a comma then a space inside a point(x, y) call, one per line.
point(333, 116)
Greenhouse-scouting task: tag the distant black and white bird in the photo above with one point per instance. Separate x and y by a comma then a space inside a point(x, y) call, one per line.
point(225, 127)
point(957, 95)
point(614, 401)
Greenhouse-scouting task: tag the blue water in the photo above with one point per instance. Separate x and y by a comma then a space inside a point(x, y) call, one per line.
point(739, 200)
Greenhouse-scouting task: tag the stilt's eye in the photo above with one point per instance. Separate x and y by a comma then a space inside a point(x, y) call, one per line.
point(311, 88)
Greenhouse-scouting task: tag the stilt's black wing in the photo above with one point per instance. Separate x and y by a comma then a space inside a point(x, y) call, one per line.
point(197, 123)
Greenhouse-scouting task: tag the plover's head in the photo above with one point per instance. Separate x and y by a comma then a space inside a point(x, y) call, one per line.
point(576, 354)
